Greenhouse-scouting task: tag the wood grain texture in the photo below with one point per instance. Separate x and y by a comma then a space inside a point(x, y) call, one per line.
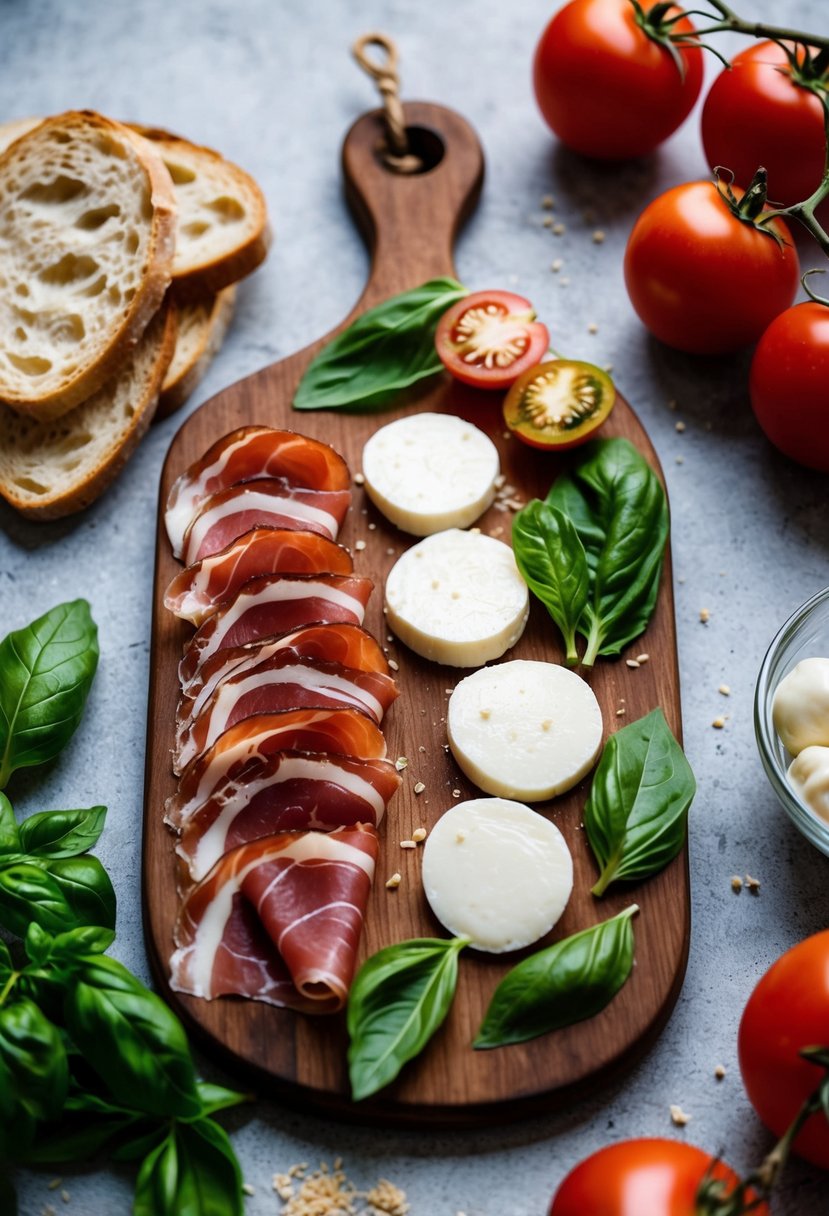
point(410, 224)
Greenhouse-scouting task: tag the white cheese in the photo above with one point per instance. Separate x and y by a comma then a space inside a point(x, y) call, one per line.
point(800, 709)
point(496, 872)
point(428, 472)
point(457, 598)
point(809, 777)
point(524, 729)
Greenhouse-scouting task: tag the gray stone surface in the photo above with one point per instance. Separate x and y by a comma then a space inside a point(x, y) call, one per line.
point(271, 84)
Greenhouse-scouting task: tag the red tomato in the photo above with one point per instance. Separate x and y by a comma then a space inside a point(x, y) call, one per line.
point(756, 114)
point(789, 384)
point(703, 280)
point(604, 87)
point(640, 1178)
point(789, 1010)
point(489, 338)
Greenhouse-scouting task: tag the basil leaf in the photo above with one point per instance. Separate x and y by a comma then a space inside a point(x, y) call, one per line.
point(399, 998)
point(216, 1097)
point(618, 507)
point(636, 813)
point(38, 943)
point(131, 1039)
point(193, 1172)
point(62, 833)
point(86, 887)
point(28, 893)
point(32, 1051)
point(553, 564)
point(77, 1138)
point(566, 983)
point(9, 831)
point(383, 351)
point(77, 943)
point(6, 964)
point(8, 1195)
point(46, 671)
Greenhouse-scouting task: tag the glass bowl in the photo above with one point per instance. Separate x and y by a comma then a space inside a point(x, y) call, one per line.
point(804, 635)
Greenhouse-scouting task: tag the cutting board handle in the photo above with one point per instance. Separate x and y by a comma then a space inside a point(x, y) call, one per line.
point(409, 221)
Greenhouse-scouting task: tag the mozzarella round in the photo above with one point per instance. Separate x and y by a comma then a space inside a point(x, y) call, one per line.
point(428, 472)
point(524, 729)
point(496, 872)
point(809, 777)
point(457, 598)
point(800, 709)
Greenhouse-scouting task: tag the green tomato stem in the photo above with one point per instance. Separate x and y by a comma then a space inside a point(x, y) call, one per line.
point(9, 985)
point(804, 212)
point(751, 29)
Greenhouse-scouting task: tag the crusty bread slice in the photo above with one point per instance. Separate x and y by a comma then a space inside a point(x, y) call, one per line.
point(51, 469)
point(87, 236)
point(223, 231)
point(202, 325)
point(14, 128)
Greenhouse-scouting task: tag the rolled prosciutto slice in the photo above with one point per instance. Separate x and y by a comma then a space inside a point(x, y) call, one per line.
point(289, 791)
point(250, 453)
point(274, 502)
point(273, 604)
point(201, 588)
point(278, 920)
point(283, 682)
point(245, 746)
point(350, 645)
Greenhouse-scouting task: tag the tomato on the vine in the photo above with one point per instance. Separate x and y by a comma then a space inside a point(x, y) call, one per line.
point(559, 404)
point(787, 1011)
point(605, 87)
point(757, 113)
point(489, 338)
point(703, 279)
point(647, 1177)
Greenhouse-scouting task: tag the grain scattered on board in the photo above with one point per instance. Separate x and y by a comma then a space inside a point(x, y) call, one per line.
point(678, 1116)
point(329, 1192)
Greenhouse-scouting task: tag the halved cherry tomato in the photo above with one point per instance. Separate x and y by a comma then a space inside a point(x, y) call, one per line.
point(489, 338)
point(559, 404)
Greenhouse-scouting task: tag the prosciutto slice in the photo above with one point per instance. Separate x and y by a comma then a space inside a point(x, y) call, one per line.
point(201, 588)
point(245, 455)
point(245, 746)
point(283, 682)
point(288, 791)
point(272, 502)
point(278, 920)
point(273, 604)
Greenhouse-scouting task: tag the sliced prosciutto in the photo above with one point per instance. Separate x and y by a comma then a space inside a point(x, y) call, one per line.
point(350, 645)
point(250, 453)
point(289, 791)
point(283, 682)
point(278, 920)
point(201, 588)
point(245, 746)
point(273, 503)
point(274, 604)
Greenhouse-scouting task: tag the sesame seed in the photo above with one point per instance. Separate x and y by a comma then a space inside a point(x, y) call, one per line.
point(719, 1072)
point(620, 713)
point(680, 460)
point(718, 723)
point(548, 202)
point(419, 835)
point(401, 763)
point(753, 884)
point(736, 884)
point(679, 426)
point(704, 615)
point(547, 222)
point(55, 1183)
point(460, 837)
point(725, 690)
point(642, 658)
point(394, 882)
point(631, 663)
point(419, 787)
point(564, 281)
point(407, 844)
point(394, 665)
point(359, 545)
point(556, 265)
point(248, 1189)
point(598, 237)
point(372, 527)
point(456, 793)
point(559, 229)
point(678, 1116)
point(592, 328)
point(359, 479)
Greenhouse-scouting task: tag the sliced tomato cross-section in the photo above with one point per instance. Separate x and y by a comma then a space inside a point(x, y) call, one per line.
point(559, 404)
point(489, 338)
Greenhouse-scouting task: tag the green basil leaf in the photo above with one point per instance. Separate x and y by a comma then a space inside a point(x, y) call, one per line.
point(6, 964)
point(32, 1050)
point(28, 893)
point(565, 983)
point(74, 945)
point(86, 886)
point(77, 1138)
point(216, 1097)
point(618, 507)
point(62, 833)
point(38, 943)
point(145, 1138)
point(637, 810)
point(134, 1042)
point(193, 1172)
point(399, 998)
point(46, 671)
point(9, 831)
point(382, 352)
point(552, 561)
point(8, 1195)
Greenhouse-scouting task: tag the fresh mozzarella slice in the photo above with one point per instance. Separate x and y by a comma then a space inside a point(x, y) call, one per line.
point(800, 708)
point(457, 598)
point(809, 777)
point(524, 729)
point(428, 472)
point(496, 872)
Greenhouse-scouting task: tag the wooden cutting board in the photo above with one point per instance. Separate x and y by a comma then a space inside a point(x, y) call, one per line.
point(410, 224)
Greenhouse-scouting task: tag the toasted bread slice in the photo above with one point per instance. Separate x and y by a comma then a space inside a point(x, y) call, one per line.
point(87, 237)
point(51, 469)
point(223, 231)
point(202, 325)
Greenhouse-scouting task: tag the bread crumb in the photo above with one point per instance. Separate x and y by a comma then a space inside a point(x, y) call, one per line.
point(559, 229)
point(678, 1116)
point(547, 222)
point(407, 844)
point(620, 713)
point(359, 545)
point(753, 884)
point(393, 882)
point(704, 615)
point(54, 1184)
point(632, 663)
point(456, 793)
point(643, 658)
point(598, 237)
point(725, 690)
point(736, 884)
point(592, 328)
point(419, 835)
point(419, 787)
point(548, 202)
point(718, 723)
point(679, 426)
point(556, 265)
point(386, 1198)
point(680, 460)
point(401, 763)
point(248, 1189)
point(359, 479)
point(394, 666)
point(719, 1072)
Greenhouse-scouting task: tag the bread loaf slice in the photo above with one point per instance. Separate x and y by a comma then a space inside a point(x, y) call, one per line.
point(51, 469)
point(202, 325)
point(14, 128)
point(87, 236)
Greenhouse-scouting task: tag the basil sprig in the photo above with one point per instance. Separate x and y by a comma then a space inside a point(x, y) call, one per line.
point(384, 351)
point(46, 671)
point(606, 523)
point(637, 810)
point(565, 983)
point(399, 998)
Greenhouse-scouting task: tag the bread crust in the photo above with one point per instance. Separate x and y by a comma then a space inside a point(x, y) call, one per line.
point(175, 392)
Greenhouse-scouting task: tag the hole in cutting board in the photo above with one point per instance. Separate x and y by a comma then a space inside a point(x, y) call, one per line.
point(426, 145)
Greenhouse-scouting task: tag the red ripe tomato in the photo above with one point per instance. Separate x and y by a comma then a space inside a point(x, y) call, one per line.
point(789, 385)
point(640, 1178)
point(756, 114)
point(701, 279)
point(605, 88)
point(489, 338)
point(789, 1010)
